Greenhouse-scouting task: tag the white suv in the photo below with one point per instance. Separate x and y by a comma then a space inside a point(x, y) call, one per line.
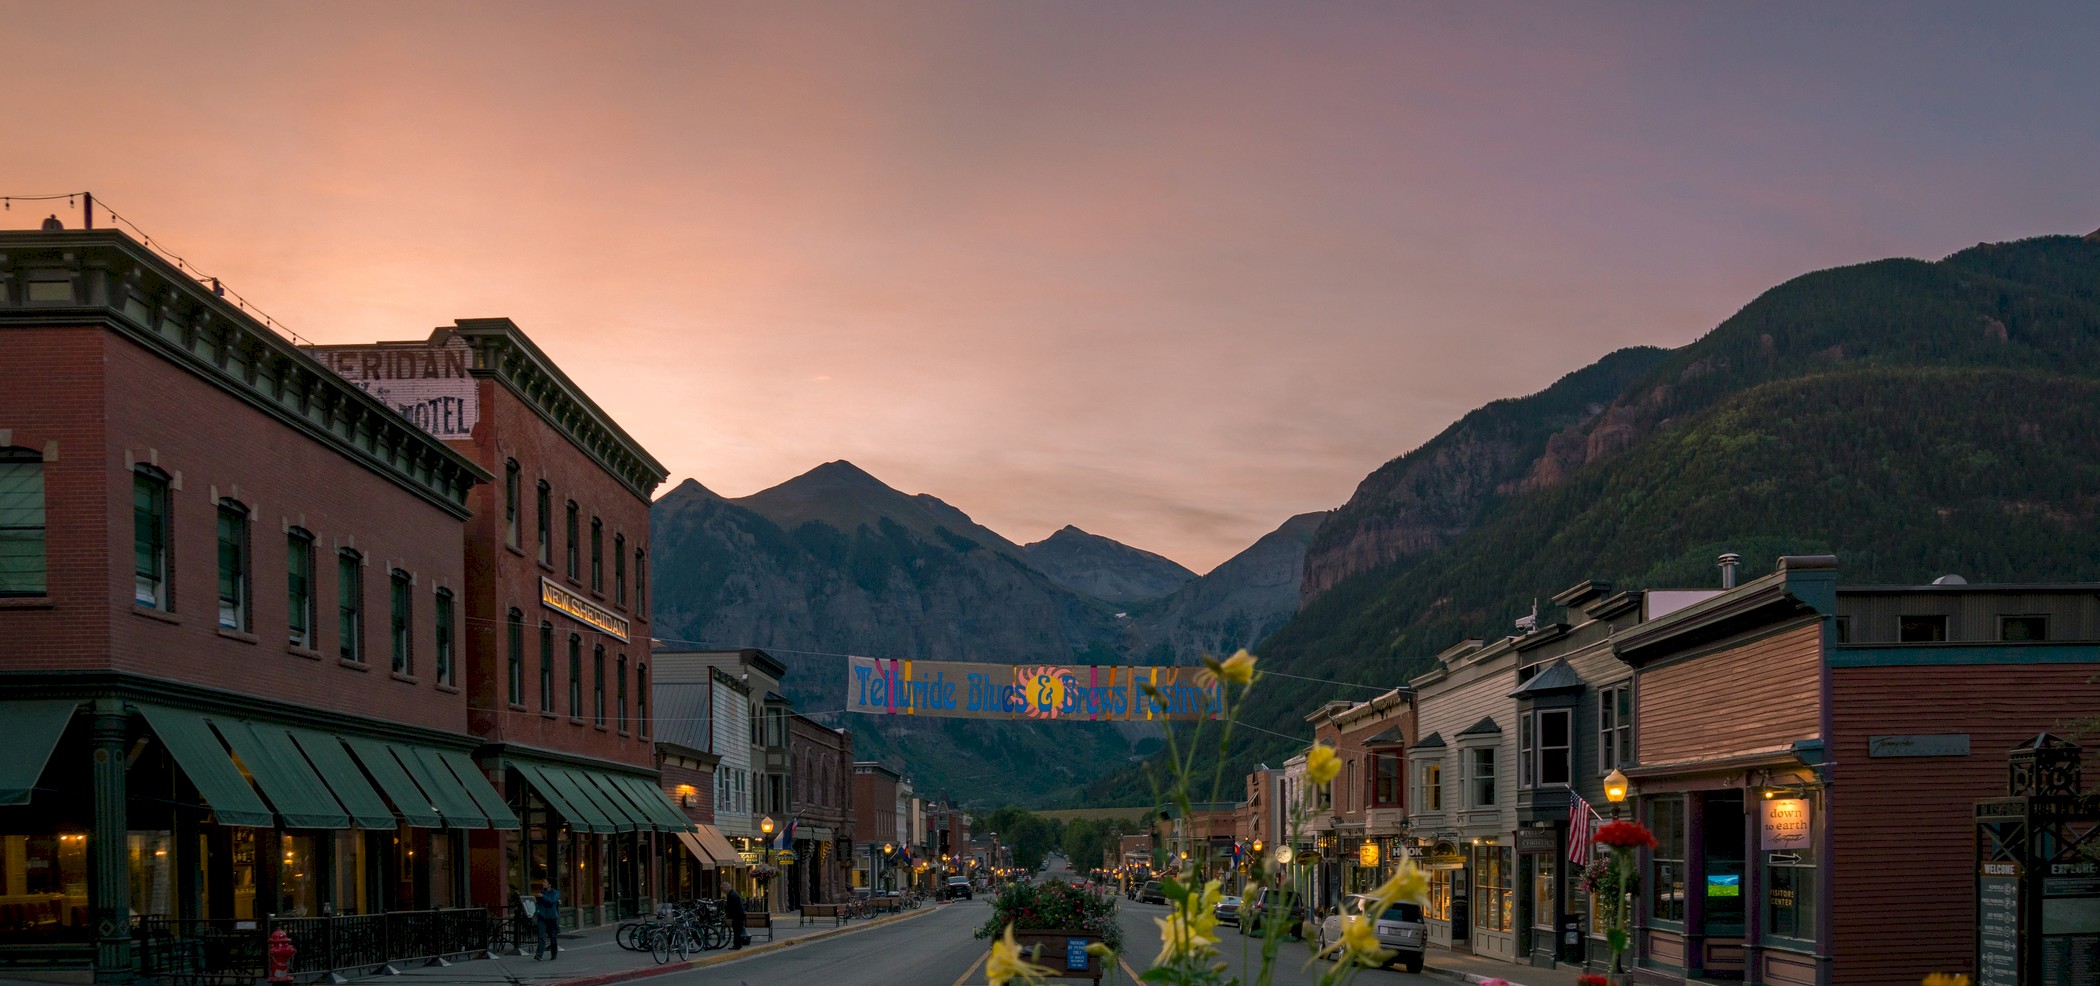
point(1399, 929)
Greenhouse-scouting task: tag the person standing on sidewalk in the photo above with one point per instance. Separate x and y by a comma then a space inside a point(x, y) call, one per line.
point(546, 916)
point(733, 909)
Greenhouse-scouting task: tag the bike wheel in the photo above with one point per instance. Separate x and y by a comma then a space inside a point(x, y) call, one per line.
point(714, 935)
point(660, 945)
point(626, 936)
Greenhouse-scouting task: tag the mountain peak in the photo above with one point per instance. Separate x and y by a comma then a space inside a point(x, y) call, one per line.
point(1105, 568)
point(691, 490)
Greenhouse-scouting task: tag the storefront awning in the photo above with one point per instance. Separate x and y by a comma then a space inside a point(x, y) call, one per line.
point(417, 808)
point(814, 833)
point(552, 794)
point(478, 786)
point(692, 845)
point(602, 786)
point(301, 800)
point(367, 810)
point(584, 795)
point(190, 741)
point(32, 730)
point(711, 839)
point(436, 780)
point(658, 804)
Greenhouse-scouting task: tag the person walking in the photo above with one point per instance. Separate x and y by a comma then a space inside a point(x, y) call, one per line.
point(546, 917)
point(733, 909)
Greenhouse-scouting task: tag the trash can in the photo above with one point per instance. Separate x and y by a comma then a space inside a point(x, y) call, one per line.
point(1574, 946)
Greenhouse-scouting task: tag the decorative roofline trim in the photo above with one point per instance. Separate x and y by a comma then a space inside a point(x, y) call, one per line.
point(502, 352)
point(119, 284)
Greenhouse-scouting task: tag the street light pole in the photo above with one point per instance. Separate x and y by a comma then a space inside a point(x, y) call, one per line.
point(765, 825)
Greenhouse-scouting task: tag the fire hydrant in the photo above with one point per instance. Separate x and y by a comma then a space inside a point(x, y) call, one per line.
point(281, 952)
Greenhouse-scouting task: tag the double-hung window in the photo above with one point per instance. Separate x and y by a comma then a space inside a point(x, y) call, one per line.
point(149, 539)
point(22, 555)
point(641, 699)
point(641, 583)
point(1547, 734)
point(620, 569)
point(1527, 742)
point(544, 510)
point(620, 680)
point(350, 605)
point(514, 653)
point(546, 666)
point(299, 588)
point(573, 546)
point(597, 555)
point(1666, 877)
point(1385, 779)
point(598, 685)
point(402, 621)
point(1432, 787)
point(233, 566)
point(1614, 728)
point(1480, 778)
point(575, 677)
point(445, 668)
point(510, 502)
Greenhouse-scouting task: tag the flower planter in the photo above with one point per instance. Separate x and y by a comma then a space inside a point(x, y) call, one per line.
point(1055, 944)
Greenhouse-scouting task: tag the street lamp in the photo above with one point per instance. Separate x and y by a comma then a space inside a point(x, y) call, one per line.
point(888, 848)
point(1615, 791)
point(765, 825)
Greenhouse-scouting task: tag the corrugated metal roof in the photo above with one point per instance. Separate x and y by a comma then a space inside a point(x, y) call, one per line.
point(682, 714)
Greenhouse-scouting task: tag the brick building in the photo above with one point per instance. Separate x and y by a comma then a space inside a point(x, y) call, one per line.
point(234, 592)
point(874, 822)
point(822, 775)
point(556, 640)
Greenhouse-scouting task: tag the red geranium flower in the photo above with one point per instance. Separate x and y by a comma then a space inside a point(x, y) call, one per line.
point(1592, 979)
point(1625, 835)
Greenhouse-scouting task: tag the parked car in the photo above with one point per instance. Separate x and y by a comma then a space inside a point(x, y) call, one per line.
point(959, 886)
point(1151, 893)
point(1399, 929)
point(1274, 904)
point(1227, 911)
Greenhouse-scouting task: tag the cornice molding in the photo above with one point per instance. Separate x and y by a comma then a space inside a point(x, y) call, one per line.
point(503, 353)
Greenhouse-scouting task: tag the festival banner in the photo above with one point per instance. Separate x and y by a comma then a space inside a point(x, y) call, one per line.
point(1087, 693)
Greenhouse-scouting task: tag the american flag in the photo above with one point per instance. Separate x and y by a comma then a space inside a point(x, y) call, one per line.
point(1581, 830)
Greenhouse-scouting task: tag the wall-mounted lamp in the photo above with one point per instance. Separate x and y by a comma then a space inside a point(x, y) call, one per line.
point(1784, 792)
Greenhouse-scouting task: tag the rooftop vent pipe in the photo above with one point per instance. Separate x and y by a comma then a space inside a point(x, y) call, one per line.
point(1729, 560)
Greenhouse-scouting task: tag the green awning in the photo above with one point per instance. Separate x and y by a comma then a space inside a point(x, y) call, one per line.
point(659, 800)
point(657, 803)
point(616, 785)
point(367, 810)
point(485, 796)
point(436, 779)
point(31, 729)
point(301, 800)
point(555, 799)
point(208, 766)
point(602, 786)
point(416, 808)
point(580, 794)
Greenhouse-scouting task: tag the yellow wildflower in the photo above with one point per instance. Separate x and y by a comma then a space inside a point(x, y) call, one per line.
point(1358, 944)
point(1409, 883)
point(1191, 928)
point(1321, 764)
point(1007, 964)
point(1946, 979)
point(1238, 669)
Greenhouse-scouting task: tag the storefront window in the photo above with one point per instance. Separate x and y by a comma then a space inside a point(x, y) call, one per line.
point(300, 879)
point(152, 867)
point(1544, 908)
point(1790, 895)
point(351, 893)
point(1494, 888)
point(1666, 867)
point(1440, 893)
point(1724, 838)
point(44, 879)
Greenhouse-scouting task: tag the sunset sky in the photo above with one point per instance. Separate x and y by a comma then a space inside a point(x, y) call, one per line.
point(1171, 272)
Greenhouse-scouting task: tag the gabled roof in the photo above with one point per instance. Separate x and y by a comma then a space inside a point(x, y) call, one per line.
point(1433, 741)
point(1390, 737)
point(1485, 727)
point(1559, 677)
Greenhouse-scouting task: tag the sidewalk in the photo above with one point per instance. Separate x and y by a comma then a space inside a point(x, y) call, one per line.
point(1459, 967)
point(591, 958)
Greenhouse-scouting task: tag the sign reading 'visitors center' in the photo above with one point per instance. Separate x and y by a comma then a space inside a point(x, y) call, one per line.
point(964, 690)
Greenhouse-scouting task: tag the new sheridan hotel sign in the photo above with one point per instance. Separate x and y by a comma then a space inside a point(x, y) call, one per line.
point(561, 599)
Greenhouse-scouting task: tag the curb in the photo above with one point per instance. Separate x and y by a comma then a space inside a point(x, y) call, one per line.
point(729, 955)
point(1463, 978)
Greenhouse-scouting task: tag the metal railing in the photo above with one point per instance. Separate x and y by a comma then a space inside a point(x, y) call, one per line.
point(208, 952)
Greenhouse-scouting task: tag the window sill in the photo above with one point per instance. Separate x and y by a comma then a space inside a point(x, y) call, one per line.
point(297, 651)
point(406, 679)
point(575, 720)
point(29, 602)
point(549, 714)
point(156, 614)
point(353, 665)
point(546, 566)
point(448, 689)
point(514, 549)
point(518, 707)
point(246, 638)
point(598, 726)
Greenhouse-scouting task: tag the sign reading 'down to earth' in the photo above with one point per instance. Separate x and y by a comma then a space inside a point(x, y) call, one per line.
point(1785, 823)
point(428, 385)
point(963, 690)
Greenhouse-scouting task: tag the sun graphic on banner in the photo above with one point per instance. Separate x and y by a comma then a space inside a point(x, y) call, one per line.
point(1044, 685)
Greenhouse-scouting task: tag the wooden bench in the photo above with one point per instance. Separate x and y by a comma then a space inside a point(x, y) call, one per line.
point(890, 904)
point(755, 920)
point(811, 912)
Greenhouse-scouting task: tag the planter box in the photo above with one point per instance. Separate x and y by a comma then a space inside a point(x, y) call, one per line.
point(1056, 943)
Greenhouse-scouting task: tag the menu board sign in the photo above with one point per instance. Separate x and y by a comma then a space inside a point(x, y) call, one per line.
point(1998, 925)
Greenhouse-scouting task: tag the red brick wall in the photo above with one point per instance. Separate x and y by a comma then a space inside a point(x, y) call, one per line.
point(51, 391)
point(214, 442)
point(700, 805)
point(1902, 829)
point(500, 577)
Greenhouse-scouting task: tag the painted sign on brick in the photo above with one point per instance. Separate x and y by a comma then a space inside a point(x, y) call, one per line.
point(428, 385)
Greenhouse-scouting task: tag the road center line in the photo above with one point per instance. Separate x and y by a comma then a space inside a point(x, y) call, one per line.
point(973, 968)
